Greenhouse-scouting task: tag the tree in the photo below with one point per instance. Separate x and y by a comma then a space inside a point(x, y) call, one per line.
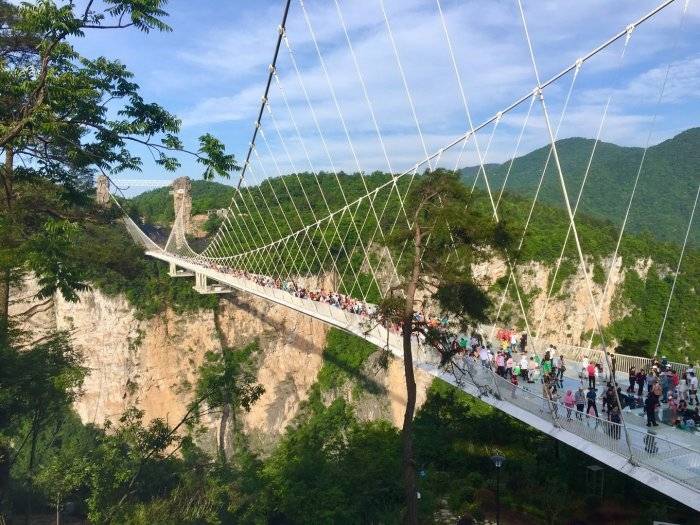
point(65, 118)
point(37, 385)
point(131, 461)
point(226, 384)
point(444, 237)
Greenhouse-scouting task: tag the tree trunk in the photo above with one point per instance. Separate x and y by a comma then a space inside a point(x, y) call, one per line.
point(225, 412)
point(409, 464)
point(6, 180)
point(6, 176)
point(4, 477)
point(32, 461)
point(4, 304)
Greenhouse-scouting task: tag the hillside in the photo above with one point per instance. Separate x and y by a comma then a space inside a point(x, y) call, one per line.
point(639, 305)
point(662, 205)
point(665, 193)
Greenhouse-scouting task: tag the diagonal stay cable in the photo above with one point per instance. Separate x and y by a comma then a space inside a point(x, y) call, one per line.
point(678, 269)
point(516, 103)
point(652, 125)
point(569, 212)
point(601, 126)
point(539, 187)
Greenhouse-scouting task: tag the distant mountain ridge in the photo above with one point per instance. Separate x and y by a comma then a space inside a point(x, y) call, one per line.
point(665, 193)
point(662, 204)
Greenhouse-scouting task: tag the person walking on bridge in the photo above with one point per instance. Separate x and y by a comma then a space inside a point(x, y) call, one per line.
point(569, 401)
point(561, 368)
point(641, 381)
point(693, 387)
point(632, 379)
point(523, 342)
point(591, 370)
point(591, 396)
point(665, 380)
point(580, 400)
point(650, 409)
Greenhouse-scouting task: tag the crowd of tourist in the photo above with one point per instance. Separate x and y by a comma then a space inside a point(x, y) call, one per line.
point(669, 392)
point(511, 360)
point(342, 301)
point(336, 299)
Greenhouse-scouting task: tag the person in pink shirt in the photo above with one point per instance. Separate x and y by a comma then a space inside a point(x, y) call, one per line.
point(501, 364)
point(509, 366)
point(569, 402)
point(591, 369)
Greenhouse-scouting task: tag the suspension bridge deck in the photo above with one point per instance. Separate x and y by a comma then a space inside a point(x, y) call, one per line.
point(670, 466)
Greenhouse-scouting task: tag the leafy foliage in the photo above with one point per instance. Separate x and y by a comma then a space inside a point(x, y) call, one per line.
point(660, 208)
point(65, 118)
point(343, 358)
point(333, 469)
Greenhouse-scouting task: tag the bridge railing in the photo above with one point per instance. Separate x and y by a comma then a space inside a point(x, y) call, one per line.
point(577, 353)
point(666, 457)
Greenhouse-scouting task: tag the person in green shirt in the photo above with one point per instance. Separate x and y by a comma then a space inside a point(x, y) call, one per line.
point(546, 366)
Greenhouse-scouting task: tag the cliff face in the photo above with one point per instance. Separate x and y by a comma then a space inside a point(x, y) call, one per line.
point(567, 314)
point(150, 362)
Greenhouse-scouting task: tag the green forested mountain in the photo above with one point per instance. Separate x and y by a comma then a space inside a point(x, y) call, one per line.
point(641, 302)
point(664, 197)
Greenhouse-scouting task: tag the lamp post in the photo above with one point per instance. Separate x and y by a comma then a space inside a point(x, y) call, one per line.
point(498, 460)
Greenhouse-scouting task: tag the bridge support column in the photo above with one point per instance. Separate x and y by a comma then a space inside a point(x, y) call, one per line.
point(182, 200)
point(200, 282)
point(175, 272)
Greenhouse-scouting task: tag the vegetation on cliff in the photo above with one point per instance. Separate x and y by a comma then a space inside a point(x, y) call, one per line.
point(640, 305)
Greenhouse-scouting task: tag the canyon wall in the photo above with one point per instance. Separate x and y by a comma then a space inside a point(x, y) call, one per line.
point(150, 363)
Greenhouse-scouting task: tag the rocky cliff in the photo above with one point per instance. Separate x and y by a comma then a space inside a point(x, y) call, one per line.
point(149, 363)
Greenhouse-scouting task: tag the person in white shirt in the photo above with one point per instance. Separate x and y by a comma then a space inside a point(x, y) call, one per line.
point(693, 387)
point(484, 356)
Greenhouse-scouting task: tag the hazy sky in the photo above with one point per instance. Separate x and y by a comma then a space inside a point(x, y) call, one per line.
point(211, 71)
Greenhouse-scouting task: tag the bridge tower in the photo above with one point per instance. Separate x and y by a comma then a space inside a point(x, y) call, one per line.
point(102, 191)
point(182, 200)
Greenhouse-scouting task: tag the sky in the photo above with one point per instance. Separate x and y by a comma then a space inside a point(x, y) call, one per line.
point(211, 72)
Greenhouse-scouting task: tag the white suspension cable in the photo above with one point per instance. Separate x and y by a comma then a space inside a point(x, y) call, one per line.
point(539, 187)
point(644, 154)
point(513, 105)
point(390, 33)
point(517, 149)
point(315, 118)
point(569, 211)
point(675, 275)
